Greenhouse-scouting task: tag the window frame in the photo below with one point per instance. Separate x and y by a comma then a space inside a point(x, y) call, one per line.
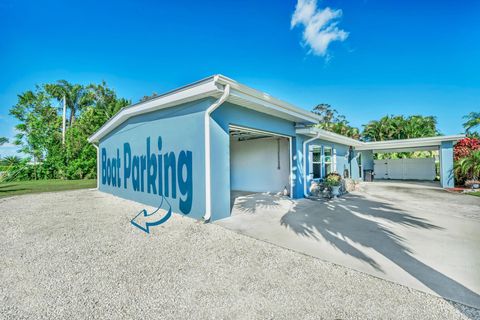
point(360, 165)
point(315, 149)
point(325, 162)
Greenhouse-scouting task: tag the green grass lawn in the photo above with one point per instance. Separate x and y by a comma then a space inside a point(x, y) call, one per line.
point(476, 194)
point(23, 187)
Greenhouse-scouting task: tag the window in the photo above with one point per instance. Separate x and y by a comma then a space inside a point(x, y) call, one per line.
point(327, 151)
point(316, 162)
point(359, 161)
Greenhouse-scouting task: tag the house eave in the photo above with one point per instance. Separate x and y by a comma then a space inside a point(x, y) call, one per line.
point(427, 142)
point(209, 87)
point(329, 136)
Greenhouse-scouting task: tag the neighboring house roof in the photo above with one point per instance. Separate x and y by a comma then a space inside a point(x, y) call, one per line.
point(210, 87)
point(389, 145)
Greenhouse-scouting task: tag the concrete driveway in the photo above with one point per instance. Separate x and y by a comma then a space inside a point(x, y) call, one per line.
point(415, 234)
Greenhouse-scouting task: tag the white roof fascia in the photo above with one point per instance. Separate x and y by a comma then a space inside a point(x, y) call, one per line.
point(267, 100)
point(196, 91)
point(409, 143)
point(330, 136)
point(379, 145)
point(294, 115)
point(211, 86)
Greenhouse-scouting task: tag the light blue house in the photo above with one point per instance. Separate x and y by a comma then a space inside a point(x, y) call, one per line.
point(193, 146)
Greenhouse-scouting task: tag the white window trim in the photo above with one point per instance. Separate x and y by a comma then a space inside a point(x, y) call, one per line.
point(332, 161)
point(311, 162)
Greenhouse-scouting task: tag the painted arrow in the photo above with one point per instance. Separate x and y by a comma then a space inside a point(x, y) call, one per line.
point(144, 220)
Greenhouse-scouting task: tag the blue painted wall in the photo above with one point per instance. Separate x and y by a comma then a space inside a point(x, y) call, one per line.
point(180, 163)
point(231, 114)
point(367, 159)
point(297, 169)
point(226, 115)
point(342, 152)
point(447, 179)
point(181, 132)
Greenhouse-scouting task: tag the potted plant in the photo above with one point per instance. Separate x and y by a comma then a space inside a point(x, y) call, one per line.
point(334, 182)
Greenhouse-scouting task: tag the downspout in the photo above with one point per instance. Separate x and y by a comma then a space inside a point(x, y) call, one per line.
point(98, 165)
point(208, 178)
point(305, 163)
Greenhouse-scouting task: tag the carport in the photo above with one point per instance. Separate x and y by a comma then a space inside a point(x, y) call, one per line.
point(412, 169)
point(259, 161)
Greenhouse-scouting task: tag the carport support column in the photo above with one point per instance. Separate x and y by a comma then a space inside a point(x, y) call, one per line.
point(297, 167)
point(446, 165)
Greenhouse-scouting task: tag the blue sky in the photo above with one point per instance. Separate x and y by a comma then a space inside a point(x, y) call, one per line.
point(365, 58)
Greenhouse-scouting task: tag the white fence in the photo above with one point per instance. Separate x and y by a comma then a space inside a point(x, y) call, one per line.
point(405, 169)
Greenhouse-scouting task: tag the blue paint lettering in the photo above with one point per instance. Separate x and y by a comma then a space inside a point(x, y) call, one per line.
point(185, 183)
point(127, 154)
point(162, 173)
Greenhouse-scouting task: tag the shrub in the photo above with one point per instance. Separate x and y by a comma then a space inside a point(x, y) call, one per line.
point(462, 150)
point(470, 165)
point(333, 180)
point(464, 147)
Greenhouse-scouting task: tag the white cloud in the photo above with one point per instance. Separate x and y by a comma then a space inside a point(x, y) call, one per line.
point(320, 26)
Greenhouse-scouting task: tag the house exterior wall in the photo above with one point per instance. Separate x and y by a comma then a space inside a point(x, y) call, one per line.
point(342, 156)
point(158, 154)
point(180, 177)
point(230, 114)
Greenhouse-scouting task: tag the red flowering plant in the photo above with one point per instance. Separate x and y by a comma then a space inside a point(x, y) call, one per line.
point(463, 149)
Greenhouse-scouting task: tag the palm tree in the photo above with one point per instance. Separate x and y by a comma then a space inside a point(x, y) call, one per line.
point(470, 165)
point(3, 140)
point(473, 121)
point(76, 96)
point(11, 160)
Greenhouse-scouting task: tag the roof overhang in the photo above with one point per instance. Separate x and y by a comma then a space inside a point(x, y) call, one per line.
point(210, 87)
point(429, 143)
point(329, 136)
point(405, 145)
point(263, 102)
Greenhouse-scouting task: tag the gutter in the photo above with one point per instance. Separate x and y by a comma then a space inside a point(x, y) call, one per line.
point(208, 175)
point(305, 162)
point(98, 165)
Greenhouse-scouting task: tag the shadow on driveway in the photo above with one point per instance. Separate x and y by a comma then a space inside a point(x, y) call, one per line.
point(346, 224)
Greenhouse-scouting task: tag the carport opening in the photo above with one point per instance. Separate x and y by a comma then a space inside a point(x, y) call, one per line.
point(409, 164)
point(259, 162)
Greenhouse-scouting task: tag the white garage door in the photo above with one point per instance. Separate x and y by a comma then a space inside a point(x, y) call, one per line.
point(405, 169)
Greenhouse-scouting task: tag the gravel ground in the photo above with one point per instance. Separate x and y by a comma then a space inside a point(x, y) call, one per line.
point(75, 255)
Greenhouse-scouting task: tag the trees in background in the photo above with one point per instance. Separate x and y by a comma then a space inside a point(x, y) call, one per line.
point(76, 96)
point(332, 121)
point(400, 127)
point(39, 132)
point(386, 128)
point(473, 122)
point(3, 140)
